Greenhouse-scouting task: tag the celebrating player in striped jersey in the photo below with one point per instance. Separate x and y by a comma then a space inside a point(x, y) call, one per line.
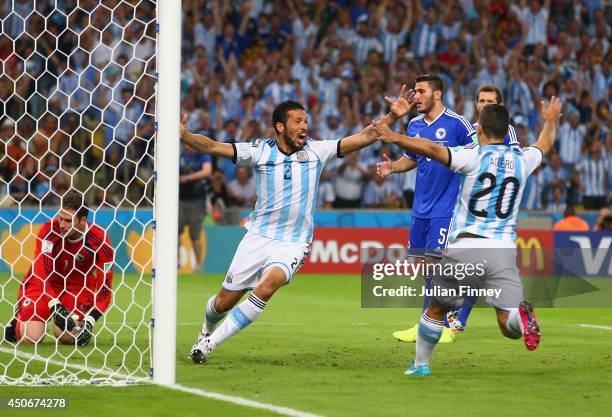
point(70, 279)
point(492, 181)
point(280, 228)
point(487, 94)
point(436, 185)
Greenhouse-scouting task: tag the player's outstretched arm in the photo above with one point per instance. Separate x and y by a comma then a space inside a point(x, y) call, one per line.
point(364, 138)
point(551, 114)
point(388, 167)
point(425, 147)
point(205, 144)
point(399, 107)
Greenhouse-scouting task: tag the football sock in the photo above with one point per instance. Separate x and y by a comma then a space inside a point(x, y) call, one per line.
point(241, 316)
point(428, 336)
point(428, 284)
point(212, 317)
point(514, 322)
point(466, 309)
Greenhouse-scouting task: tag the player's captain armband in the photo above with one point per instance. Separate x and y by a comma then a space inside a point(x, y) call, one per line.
point(108, 266)
point(245, 152)
point(46, 247)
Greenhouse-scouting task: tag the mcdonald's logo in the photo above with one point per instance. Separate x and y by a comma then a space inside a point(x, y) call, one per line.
point(532, 245)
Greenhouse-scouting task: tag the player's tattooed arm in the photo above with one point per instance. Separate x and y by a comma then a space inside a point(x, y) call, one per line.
point(551, 113)
point(205, 144)
point(425, 147)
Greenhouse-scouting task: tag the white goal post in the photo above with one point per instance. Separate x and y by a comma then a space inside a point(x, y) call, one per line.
point(166, 207)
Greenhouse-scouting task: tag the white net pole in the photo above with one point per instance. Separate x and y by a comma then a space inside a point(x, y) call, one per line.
point(166, 201)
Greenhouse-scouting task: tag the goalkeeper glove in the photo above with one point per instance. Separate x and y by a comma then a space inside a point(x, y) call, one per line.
point(86, 327)
point(61, 316)
point(84, 336)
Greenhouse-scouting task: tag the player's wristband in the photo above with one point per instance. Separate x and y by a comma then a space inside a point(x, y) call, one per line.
point(94, 314)
point(53, 303)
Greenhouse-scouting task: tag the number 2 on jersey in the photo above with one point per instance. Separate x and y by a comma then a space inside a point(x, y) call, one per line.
point(287, 171)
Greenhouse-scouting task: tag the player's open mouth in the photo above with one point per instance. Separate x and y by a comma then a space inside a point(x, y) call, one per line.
point(302, 138)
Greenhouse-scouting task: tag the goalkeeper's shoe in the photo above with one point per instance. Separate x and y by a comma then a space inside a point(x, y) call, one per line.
point(10, 332)
point(410, 335)
point(201, 350)
point(531, 329)
point(420, 370)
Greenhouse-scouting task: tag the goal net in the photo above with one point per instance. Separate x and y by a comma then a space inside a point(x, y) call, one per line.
point(77, 112)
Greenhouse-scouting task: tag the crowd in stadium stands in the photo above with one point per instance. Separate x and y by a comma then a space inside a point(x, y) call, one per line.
point(339, 58)
point(77, 100)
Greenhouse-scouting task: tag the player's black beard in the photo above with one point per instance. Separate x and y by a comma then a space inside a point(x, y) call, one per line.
point(290, 143)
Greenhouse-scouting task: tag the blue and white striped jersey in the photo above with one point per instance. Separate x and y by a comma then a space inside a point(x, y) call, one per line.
point(511, 139)
point(286, 186)
point(493, 179)
point(594, 175)
point(570, 142)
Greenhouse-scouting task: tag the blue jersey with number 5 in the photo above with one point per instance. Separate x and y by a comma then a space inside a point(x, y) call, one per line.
point(436, 185)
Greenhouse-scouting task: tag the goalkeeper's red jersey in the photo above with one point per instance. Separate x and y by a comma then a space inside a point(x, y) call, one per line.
point(82, 267)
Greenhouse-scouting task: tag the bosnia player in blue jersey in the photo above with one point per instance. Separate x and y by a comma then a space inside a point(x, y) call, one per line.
point(280, 228)
point(483, 231)
point(436, 185)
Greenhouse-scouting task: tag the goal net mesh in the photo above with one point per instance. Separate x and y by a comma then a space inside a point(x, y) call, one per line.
point(77, 112)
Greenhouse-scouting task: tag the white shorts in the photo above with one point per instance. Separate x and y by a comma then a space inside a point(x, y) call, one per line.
point(256, 254)
point(498, 261)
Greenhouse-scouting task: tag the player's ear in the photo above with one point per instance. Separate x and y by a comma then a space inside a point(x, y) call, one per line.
point(280, 128)
point(479, 130)
point(438, 95)
point(82, 220)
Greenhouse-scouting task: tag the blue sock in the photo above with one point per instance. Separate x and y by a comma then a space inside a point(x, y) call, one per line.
point(466, 309)
point(428, 284)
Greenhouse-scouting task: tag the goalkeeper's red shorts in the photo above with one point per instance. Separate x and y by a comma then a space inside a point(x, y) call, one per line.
point(34, 304)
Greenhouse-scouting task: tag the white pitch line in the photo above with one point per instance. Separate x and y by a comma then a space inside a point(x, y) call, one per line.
point(286, 411)
point(93, 371)
point(595, 326)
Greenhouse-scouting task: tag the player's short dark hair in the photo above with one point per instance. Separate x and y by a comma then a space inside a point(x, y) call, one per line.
point(494, 120)
point(73, 200)
point(490, 88)
point(279, 115)
point(435, 82)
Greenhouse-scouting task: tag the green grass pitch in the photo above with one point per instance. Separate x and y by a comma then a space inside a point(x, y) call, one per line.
point(316, 350)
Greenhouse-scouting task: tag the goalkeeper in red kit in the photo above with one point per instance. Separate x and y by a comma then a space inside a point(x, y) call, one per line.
point(70, 279)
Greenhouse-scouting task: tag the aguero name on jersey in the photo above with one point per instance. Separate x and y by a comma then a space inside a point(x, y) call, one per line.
point(492, 182)
point(510, 139)
point(286, 186)
point(436, 185)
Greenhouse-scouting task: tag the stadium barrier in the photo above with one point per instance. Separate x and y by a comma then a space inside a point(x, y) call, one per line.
point(334, 250)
